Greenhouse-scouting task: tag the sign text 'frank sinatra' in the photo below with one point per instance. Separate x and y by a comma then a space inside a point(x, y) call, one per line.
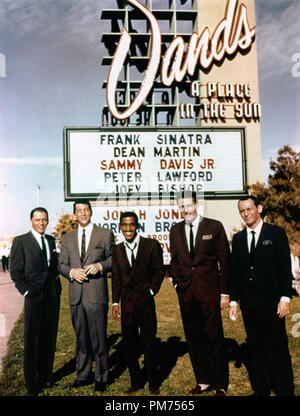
point(231, 35)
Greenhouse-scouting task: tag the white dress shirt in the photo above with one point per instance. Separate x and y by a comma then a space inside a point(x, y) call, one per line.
point(38, 238)
point(88, 232)
point(134, 245)
point(187, 228)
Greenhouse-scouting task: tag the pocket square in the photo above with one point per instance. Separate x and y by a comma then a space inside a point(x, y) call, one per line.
point(267, 242)
point(207, 237)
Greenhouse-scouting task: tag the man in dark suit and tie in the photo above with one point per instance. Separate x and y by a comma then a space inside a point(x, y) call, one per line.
point(200, 260)
point(137, 274)
point(85, 260)
point(34, 271)
point(262, 282)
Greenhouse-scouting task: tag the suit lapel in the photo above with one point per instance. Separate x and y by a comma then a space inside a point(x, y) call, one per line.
point(75, 244)
point(183, 237)
point(244, 240)
point(140, 252)
point(50, 246)
point(261, 238)
point(200, 232)
point(124, 255)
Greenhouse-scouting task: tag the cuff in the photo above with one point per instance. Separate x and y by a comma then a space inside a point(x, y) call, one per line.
point(26, 293)
point(114, 304)
point(285, 299)
point(233, 303)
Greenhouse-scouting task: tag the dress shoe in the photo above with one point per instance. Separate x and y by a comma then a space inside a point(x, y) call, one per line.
point(80, 383)
point(100, 386)
point(33, 391)
point(220, 392)
point(199, 390)
point(154, 390)
point(133, 389)
point(48, 385)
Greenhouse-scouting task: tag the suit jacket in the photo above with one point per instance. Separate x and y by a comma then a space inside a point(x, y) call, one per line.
point(206, 275)
point(134, 284)
point(271, 276)
point(99, 251)
point(29, 267)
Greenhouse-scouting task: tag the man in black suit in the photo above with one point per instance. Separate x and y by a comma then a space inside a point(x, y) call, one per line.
point(137, 274)
point(85, 260)
point(34, 271)
point(261, 281)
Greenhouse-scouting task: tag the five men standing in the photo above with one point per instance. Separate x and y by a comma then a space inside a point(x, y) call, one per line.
point(259, 273)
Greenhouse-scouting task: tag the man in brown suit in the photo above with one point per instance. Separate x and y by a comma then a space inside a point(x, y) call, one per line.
point(199, 269)
point(137, 274)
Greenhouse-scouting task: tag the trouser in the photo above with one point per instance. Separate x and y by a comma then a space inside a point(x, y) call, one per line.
point(139, 328)
point(90, 323)
point(270, 367)
point(40, 333)
point(203, 329)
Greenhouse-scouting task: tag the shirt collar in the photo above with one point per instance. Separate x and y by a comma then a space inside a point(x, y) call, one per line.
point(257, 229)
point(86, 228)
point(135, 241)
point(37, 235)
point(195, 222)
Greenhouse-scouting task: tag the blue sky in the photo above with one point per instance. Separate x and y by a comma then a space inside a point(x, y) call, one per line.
point(54, 78)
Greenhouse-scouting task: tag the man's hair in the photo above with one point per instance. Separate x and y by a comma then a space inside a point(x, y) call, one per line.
point(129, 214)
point(253, 197)
point(81, 201)
point(187, 194)
point(40, 209)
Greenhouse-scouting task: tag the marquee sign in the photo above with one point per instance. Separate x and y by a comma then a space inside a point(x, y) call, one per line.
point(153, 163)
point(231, 35)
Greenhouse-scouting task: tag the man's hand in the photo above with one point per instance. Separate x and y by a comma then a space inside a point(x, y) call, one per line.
point(283, 309)
point(116, 312)
point(224, 301)
point(78, 275)
point(233, 312)
point(92, 269)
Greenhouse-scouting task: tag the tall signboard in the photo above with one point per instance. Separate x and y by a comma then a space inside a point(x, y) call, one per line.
point(182, 110)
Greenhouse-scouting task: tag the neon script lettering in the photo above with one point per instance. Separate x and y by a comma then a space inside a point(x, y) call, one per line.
point(231, 35)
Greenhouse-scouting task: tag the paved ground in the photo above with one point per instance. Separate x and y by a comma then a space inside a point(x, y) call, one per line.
point(11, 305)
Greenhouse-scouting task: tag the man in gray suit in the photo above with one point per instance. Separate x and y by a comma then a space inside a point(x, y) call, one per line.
point(85, 259)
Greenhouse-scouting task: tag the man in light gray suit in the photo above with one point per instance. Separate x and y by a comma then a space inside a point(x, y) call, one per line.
point(85, 260)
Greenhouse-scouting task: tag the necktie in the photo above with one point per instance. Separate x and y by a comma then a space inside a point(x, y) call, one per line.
point(252, 246)
point(82, 247)
point(191, 241)
point(132, 253)
point(44, 247)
